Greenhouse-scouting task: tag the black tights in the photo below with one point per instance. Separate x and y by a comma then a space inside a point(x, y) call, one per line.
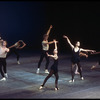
point(79, 69)
point(49, 75)
point(3, 66)
point(15, 51)
point(41, 59)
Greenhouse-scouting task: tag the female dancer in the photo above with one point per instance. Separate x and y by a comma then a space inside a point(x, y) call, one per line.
point(54, 68)
point(76, 57)
point(3, 52)
point(14, 49)
point(45, 49)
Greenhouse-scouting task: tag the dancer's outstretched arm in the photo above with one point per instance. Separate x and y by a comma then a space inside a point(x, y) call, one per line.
point(53, 56)
point(11, 46)
point(50, 55)
point(72, 46)
point(14, 45)
point(50, 42)
point(83, 54)
point(87, 50)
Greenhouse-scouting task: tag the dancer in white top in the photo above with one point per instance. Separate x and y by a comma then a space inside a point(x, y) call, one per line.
point(3, 52)
point(45, 49)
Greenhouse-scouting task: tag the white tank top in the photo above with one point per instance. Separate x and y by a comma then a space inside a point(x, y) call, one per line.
point(45, 46)
point(3, 52)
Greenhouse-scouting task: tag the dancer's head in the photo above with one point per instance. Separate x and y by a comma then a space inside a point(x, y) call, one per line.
point(4, 43)
point(55, 51)
point(45, 37)
point(77, 44)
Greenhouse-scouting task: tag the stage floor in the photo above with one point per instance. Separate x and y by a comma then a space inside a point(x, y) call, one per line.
point(24, 83)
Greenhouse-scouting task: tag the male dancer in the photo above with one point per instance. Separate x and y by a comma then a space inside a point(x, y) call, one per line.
point(45, 49)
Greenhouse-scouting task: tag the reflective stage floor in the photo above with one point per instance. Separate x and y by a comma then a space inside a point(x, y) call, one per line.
point(24, 83)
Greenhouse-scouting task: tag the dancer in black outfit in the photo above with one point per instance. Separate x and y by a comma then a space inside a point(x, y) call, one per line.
point(76, 57)
point(54, 68)
point(14, 49)
point(45, 49)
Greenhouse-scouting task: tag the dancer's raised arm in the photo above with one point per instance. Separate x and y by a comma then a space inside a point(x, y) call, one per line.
point(72, 46)
point(55, 44)
point(53, 56)
point(11, 46)
point(48, 32)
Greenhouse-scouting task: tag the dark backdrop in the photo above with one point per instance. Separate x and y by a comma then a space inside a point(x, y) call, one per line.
point(29, 20)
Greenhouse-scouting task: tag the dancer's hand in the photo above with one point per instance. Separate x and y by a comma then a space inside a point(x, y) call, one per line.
point(51, 26)
point(93, 51)
point(64, 36)
point(47, 54)
point(55, 41)
point(86, 56)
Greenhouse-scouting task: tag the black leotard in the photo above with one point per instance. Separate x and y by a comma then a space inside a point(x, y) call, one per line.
point(54, 67)
point(75, 56)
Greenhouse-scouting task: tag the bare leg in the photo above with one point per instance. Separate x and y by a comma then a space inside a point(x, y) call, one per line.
point(72, 72)
point(80, 70)
point(76, 71)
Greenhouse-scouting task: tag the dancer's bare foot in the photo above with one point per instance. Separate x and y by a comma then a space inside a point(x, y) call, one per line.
point(93, 67)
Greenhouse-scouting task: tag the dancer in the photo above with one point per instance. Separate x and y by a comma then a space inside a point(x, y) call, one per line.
point(45, 49)
point(98, 62)
point(54, 68)
point(14, 49)
point(81, 54)
point(76, 58)
point(3, 52)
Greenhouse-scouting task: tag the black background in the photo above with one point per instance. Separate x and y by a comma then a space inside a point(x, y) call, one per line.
point(29, 20)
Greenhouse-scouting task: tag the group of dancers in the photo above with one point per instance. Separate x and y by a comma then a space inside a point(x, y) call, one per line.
point(77, 52)
point(5, 52)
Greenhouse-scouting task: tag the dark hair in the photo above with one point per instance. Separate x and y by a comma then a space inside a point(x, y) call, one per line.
point(76, 41)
